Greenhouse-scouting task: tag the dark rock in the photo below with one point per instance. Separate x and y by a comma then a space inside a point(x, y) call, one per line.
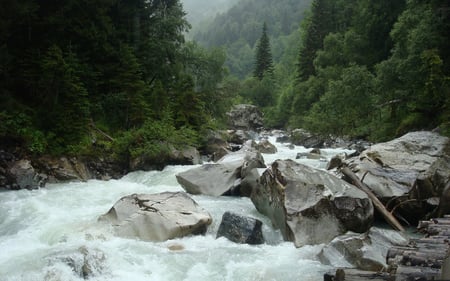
point(157, 217)
point(307, 139)
point(239, 136)
point(245, 117)
point(335, 162)
point(216, 145)
point(310, 206)
point(241, 229)
point(184, 156)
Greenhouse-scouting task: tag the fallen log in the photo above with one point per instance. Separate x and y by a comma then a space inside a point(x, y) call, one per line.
point(376, 202)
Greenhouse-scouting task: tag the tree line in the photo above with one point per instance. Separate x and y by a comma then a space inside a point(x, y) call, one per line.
point(73, 72)
point(367, 69)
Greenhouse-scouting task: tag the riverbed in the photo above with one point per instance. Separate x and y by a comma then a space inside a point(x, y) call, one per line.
point(42, 232)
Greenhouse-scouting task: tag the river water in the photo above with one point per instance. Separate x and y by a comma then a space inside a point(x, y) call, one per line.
point(42, 232)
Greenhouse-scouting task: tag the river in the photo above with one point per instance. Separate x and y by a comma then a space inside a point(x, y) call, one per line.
point(41, 230)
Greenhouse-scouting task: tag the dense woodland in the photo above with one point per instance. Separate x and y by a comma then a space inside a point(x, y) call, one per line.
point(77, 76)
point(369, 69)
point(82, 75)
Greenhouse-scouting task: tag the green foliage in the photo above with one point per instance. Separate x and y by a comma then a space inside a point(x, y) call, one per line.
point(70, 67)
point(238, 31)
point(263, 58)
point(154, 140)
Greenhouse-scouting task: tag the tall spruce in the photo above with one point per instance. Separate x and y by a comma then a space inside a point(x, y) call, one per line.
point(264, 61)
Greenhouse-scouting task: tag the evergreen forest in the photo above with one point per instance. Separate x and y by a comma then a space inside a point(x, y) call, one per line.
point(98, 76)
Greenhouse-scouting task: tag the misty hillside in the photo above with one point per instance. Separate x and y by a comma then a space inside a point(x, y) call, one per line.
point(199, 11)
point(240, 27)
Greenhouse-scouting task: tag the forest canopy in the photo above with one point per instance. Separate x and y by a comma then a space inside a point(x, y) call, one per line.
point(77, 75)
point(72, 69)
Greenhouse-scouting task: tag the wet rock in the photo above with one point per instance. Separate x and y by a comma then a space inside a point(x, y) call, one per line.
point(365, 251)
point(306, 139)
point(310, 206)
point(241, 229)
point(216, 145)
point(239, 137)
point(245, 117)
point(157, 217)
point(63, 169)
point(406, 172)
point(23, 175)
point(336, 161)
point(187, 155)
point(264, 146)
point(223, 177)
point(84, 262)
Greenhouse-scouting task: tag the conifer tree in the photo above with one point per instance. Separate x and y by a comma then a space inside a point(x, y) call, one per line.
point(264, 62)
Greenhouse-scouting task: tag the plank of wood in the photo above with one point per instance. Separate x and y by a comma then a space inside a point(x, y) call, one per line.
point(376, 202)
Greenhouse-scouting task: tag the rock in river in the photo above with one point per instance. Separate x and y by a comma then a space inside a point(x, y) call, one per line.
point(407, 172)
point(241, 229)
point(157, 217)
point(225, 176)
point(310, 206)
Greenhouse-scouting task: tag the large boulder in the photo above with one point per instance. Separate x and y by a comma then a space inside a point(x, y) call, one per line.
point(240, 229)
point(307, 139)
point(408, 173)
point(265, 146)
point(157, 217)
point(245, 117)
point(365, 251)
point(225, 176)
point(216, 145)
point(23, 175)
point(310, 206)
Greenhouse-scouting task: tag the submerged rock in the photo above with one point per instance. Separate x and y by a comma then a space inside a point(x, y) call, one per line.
point(84, 262)
point(310, 206)
point(240, 229)
point(407, 172)
point(157, 217)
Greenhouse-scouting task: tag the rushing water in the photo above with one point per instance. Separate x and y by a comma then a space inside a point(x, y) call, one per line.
point(40, 229)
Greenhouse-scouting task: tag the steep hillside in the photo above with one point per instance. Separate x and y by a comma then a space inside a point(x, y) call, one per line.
point(240, 27)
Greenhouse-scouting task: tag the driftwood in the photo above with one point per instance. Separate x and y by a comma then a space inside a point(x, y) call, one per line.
point(92, 124)
point(376, 202)
point(348, 274)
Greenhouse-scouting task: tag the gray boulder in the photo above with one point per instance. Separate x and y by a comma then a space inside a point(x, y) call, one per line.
point(307, 139)
point(216, 145)
point(23, 175)
point(240, 229)
point(225, 176)
point(310, 206)
point(245, 117)
point(265, 146)
point(365, 251)
point(157, 217)
point(406, 172)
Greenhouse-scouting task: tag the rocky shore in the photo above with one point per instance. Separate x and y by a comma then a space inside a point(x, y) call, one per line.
point(409, 176)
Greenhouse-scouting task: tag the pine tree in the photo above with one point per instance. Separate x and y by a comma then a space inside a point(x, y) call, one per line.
point(264, 62)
